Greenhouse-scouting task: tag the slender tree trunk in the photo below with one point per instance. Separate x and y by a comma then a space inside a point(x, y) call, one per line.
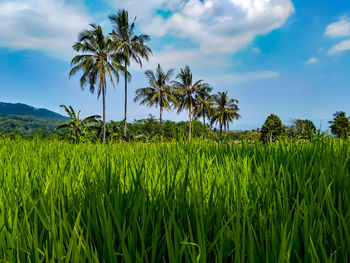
point(126, 96)
point(190, 123)
point(220, 134)
point(104, 111)
point(160, 123)
point(204, 131)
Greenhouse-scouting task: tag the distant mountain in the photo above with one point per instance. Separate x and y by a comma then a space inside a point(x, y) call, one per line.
point(26, 124)
point(23, 109)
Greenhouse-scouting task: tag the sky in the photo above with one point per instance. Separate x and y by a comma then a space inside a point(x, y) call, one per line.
point(287, 57)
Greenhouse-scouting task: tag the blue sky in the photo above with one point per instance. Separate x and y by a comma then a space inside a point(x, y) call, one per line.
point(288, 57)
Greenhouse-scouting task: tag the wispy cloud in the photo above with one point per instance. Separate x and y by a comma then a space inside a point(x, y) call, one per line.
point(339, 29)
point(51, 26)
point(312, 60)
point(235, 78)
point(256, 50)
point(338, 48)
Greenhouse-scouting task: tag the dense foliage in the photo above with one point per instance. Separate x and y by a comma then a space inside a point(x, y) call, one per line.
point(340, 126)
point(26, 125)
point(77, 130)
point(191, 202)
point(301, 129)
point(272, 129)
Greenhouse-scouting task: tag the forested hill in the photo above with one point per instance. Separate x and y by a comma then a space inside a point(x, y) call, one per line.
point(24, 119)
point(23, 109)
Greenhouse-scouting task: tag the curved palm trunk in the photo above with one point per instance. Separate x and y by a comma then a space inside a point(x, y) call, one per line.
point(104, 111)
point(126, 97)
point(160, 123)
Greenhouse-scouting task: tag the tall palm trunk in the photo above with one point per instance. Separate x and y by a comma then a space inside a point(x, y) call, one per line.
point(160, 123)
point(190, 123)
point(220, 134)
point(104, 110)
point(126, 97)
point(204, 131)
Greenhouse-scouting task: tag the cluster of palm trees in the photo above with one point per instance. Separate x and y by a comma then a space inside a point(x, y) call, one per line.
point(184, 93)
point(102, 57)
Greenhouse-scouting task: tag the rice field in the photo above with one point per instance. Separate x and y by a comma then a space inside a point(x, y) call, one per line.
point(174, 202)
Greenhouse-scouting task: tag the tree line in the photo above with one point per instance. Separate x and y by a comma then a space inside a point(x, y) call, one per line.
point(90, 129)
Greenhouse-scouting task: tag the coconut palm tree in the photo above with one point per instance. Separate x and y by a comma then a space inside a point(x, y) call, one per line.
point(159, 93)
point(77, 129)
point(204, 104)
point(96, 59)
point(186, 92)
point(225, 110)
point(130, 45)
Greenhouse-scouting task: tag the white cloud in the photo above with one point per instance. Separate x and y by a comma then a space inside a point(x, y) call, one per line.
point(235, 78)
point(312, 60)
point(47, 25)
point(223, 26)
point(338, 48)
point(339, 29)
point(215, 26)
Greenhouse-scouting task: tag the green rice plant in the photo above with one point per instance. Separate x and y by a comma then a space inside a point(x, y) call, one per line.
point(192, 201)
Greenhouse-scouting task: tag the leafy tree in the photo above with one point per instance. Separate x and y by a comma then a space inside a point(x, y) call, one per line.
point(96, 59)
point(159, 93)
point(77, 129)
point(340, 126)
point(272, 129)
point(130, 45)
point(204, 104)
point(225, 111)
point(254, 136)
point(186, 92)
point(301, 129)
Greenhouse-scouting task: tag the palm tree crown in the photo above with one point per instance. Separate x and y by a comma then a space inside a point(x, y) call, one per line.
point(186, 92)
point(159, 93)
point(132, 46)
point(97, 59)
point(226, 110)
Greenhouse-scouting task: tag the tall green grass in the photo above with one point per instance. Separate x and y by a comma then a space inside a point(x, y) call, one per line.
point(174, 202)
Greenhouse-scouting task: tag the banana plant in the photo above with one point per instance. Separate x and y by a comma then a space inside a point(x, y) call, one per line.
point(77, 130)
